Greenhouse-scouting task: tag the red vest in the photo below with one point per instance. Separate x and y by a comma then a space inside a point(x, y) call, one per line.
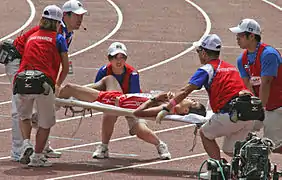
point(275, 94)
point(226, 84)
point(126, 79)
point(41, 53)
point(20, 41)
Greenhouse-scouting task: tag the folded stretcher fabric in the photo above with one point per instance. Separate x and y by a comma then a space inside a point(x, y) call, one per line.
point(109, 109)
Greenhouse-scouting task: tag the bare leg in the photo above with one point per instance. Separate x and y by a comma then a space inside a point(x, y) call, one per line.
point(108, 127)
point(41, 139)
point(79, 92)
point(210, 147)
point(25, 126)
point(109, 121)
point(143, 132)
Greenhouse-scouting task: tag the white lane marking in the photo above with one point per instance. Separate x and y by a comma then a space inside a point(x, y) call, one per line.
point(31, 17)
point(113, 140)
point(273, 4)
point(129, 167)
point(118, 25)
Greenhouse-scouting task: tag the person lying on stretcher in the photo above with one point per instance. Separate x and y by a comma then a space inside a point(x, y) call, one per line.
point(145, 107)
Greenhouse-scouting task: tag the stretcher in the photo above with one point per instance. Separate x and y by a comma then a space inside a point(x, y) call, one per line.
point(118, 111)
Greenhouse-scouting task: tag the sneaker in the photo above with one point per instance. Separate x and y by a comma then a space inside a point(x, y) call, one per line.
point(49, 152)
point(163, 151)
point(26, 152)
point(205, 175)
point(15, 156)
point(101, 152)
point(39, 160)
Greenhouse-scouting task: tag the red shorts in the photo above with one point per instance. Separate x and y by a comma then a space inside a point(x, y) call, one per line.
point(108, 97)
point(125, 101)
point(131, 102)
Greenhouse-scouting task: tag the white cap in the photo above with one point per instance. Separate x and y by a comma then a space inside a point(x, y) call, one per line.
point(74, 6)
point(211, 42)
point(247, 25)
point(53, 12)
point(117, 47)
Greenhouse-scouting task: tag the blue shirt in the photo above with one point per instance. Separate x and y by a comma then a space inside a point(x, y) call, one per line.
point(67, 35)
point(134, 82)
point(270, 60)
point(61, 43)
point(203, 76)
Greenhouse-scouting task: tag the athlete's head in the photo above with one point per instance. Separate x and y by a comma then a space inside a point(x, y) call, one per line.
point(190, 106)
point(117, 54)
point(51, 17)
point(247, 32)
point(208, 48)
point(73, 14)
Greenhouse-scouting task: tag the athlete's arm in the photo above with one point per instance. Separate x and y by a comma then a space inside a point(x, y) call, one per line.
point(151, 107)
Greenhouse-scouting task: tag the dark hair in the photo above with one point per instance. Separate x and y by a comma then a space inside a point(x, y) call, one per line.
point(112, 57)
point(48, 24)
point(211, 53)
point(257, 37)
point(200, 111)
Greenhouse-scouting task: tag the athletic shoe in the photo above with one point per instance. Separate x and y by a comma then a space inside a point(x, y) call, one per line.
point(49, 152)
point(26, 152)
point(163, 151)
point(39, 160)
point(101, 152)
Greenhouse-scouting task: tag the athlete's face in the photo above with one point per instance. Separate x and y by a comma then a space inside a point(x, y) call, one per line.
point(184, 106)
point(118, 61)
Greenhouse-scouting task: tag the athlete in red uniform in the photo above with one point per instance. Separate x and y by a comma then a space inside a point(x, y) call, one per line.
point(114, 96)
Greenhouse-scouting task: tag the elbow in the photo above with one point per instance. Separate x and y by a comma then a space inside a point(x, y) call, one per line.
point(137, 113)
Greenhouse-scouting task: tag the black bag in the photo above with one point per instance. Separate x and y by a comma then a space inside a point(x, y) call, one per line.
point(32, 82)
point(246, 107)
point(8, 52)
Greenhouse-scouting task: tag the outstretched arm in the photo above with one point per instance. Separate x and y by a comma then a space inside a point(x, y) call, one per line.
point(153, 106)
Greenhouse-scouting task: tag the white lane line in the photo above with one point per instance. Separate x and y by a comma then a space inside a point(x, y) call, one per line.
point(114, 140)
point(273, 4)
point(31, 17)
point(129, 167)
point(118, 25)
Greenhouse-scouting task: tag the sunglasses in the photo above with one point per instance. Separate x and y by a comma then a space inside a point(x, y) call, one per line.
point(199, 50)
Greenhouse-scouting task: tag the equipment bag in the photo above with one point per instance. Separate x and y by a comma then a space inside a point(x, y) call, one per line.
point(32, 82)
point(8, 52)
point(246, 107)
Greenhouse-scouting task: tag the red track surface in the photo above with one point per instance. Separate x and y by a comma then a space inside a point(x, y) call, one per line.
point(153, 31)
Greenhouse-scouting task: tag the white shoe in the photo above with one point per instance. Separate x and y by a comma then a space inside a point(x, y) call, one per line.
point(39, 160)
point(49, 152)
point(205, 175)
point(101, 152)
point(26, 152)
point(163, 151)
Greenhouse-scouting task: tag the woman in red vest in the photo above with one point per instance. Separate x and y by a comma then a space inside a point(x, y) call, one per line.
point(128, 79)
point(38, 75)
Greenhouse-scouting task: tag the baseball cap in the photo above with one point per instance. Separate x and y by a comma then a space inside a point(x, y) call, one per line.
point(211, 42)
point(117, 47)
point(247, 25)
point(53, 12)
point(74, 6)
